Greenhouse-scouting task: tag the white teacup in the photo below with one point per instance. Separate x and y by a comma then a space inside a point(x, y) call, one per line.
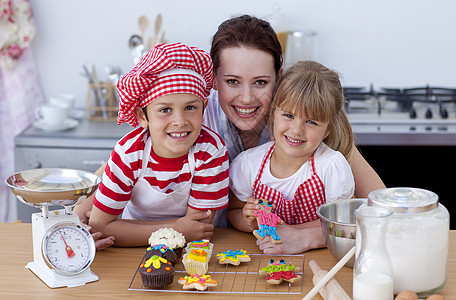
point(63, 100)
point(52, 115)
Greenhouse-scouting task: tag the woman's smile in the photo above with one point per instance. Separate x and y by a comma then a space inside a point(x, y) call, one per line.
point(245, 112)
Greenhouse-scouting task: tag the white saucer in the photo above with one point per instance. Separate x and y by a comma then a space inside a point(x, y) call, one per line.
point(69, 123)
point(77, 114)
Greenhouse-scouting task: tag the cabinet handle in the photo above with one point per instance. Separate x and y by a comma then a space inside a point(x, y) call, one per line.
point(93, 162)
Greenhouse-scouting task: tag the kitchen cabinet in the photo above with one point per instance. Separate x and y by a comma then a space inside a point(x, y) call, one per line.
point(85, 147)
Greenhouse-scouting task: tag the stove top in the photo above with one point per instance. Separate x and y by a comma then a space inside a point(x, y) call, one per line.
point(422, 103)
point(420, 110)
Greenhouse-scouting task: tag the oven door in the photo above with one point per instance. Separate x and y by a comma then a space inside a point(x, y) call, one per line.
point(430, 167)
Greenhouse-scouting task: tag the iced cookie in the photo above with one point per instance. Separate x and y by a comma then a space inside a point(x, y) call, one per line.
point(267, 222)
point(233, 257)
point(197, 282)
point(276, 272)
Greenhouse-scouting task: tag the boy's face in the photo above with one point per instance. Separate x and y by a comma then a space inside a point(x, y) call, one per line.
point(174, 123)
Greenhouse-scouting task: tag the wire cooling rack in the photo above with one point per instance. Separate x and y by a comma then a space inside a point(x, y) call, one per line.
point(242, 279)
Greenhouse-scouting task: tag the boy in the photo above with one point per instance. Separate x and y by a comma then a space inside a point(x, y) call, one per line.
point(171, 171)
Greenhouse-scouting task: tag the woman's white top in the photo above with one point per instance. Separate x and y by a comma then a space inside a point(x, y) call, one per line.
point(215, 119)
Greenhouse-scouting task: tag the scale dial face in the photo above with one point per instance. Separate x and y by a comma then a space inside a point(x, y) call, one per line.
point(68, 248)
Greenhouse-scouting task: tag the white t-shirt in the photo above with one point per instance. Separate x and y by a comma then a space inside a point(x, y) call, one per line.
point(331, 166)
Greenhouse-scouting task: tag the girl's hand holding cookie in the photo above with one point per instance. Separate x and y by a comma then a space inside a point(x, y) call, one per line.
point(250, 206)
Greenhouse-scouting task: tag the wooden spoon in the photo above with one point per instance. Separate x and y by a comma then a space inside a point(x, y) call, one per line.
point(143, 23)
point(155, 39)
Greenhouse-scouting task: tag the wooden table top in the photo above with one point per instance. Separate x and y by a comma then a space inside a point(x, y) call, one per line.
point(116, 267)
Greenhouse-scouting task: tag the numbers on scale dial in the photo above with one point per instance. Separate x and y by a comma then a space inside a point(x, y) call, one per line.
point(68, 249)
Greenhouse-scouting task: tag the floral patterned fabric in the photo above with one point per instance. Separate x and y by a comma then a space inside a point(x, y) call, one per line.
point(16, 30)
point(20, 91)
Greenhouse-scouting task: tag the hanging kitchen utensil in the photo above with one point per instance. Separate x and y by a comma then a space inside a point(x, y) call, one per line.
point(162, 38)
point(136, 46)
point(143, 23)
point(155, 40)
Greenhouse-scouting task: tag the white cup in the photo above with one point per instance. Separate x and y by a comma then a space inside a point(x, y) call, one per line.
point(52, 115)
point(63, 100)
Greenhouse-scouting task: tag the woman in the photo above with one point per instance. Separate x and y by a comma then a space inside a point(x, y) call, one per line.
point(247, 59)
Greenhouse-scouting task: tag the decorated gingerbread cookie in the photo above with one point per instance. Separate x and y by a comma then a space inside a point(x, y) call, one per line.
point(233, 257)
point(267, 222)
point(199, 282)
point(276, 272)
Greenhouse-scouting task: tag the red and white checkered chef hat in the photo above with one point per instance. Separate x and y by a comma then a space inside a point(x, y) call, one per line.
point(165, 69)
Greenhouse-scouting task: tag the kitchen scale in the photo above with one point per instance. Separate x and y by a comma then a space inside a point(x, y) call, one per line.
point(63, 250)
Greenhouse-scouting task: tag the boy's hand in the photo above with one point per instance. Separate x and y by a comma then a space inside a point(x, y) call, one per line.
point(100, 244)
point(196, 225)
point(247, 211)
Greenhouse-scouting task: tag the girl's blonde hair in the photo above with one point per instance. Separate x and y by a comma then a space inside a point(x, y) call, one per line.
point(309, 88)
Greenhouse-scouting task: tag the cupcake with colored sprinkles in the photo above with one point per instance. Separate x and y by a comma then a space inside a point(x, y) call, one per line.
point(156, 272)
point(196, 262)
point(171, 238)
point(162, 251)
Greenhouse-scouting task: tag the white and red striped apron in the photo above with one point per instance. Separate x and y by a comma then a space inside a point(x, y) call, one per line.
point(307, 198)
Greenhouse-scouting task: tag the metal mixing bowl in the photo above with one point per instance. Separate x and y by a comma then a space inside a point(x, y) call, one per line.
point(45, 187)
point(338, 224)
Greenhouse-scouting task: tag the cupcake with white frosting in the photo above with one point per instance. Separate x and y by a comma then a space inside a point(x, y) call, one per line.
point(171, 238)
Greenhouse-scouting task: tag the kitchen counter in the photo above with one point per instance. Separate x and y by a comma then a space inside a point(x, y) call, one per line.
point(85, 147)
point(116, 267)
point(87, 134)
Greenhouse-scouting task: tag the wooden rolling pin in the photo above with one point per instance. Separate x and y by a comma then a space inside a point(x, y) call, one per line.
point(332, 290)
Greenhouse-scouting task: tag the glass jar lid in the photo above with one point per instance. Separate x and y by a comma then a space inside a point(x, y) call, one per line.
point(404, 200)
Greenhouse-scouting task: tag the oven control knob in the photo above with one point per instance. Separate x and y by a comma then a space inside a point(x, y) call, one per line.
point(428, 114)
point(412, 113)
point(444, 113)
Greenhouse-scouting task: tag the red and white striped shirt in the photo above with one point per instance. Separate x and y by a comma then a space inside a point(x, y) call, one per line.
point(210, 182)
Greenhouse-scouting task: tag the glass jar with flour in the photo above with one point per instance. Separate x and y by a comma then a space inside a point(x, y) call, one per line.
point(417, 238)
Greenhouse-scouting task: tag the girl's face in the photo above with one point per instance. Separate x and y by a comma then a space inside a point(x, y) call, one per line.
point(297, 136)
point(245, 81)
point(174, 123)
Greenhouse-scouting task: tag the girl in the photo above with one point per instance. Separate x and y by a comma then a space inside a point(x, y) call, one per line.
point(299, 170)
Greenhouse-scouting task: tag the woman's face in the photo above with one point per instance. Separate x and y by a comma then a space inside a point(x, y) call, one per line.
point(245, 81)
